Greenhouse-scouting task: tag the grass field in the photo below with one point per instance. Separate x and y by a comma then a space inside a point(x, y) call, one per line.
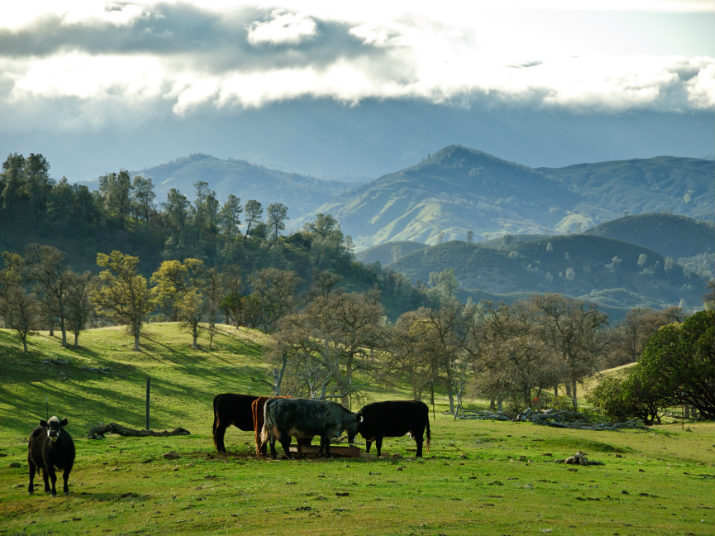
point(480, 477)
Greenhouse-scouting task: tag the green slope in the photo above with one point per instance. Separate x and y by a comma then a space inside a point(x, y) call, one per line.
point(609, 272)
point(300, 193)
point(667, 234)
point(640, 186)
point(447, 195)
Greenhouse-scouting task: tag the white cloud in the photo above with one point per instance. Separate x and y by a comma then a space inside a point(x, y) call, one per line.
point(334, 50)
point(284, 28)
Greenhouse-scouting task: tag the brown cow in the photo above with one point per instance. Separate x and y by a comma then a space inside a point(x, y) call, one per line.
point(257, 411)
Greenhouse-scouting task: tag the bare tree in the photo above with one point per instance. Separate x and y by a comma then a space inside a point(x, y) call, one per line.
point(47, 269)
point(574, 330)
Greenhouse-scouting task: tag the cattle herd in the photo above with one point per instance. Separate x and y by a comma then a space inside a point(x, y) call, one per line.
point(270, 418)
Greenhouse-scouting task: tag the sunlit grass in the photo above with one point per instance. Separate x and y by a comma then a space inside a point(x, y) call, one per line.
point(479, 477)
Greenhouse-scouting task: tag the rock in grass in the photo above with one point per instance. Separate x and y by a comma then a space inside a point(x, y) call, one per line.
point(171, 455)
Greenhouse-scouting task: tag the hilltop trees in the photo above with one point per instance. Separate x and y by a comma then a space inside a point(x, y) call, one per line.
point(19, 308)
point(628, 339)
point(47, 268)
point(513, 357)
point(78, 305)
point(122, 293)
point(680, 358)
point(677, 366)
point(181, 286)
point(323, 345)
point(572, 329)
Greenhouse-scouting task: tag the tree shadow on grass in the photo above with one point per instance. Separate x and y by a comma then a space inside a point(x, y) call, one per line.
point(41, 398)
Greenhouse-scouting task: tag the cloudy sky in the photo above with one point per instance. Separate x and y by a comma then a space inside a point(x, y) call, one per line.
point(352, 89)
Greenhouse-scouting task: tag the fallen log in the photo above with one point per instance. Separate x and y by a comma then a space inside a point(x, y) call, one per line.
point(114, 428)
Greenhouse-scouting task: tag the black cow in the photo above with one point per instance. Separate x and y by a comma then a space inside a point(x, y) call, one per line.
point(304, 418)
point(50, 446)
point(393, 419)
point(231, 409)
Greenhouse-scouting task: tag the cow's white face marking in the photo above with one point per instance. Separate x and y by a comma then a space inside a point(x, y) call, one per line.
point(53, 428)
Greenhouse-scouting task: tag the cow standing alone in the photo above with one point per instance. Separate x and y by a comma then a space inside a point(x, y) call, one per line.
point(393, 419)
point(304, 418)
point(231, 409)
point(50, 446)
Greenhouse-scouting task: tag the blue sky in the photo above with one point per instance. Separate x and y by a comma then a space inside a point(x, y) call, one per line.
point(341, 89)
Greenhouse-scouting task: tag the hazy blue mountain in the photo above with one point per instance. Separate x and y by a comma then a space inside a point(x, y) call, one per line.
point(602, 270)
point(328, 139)
point(388, 253)
point(662, 184)
point(449, 194)
point(460, 191)
point(300, 193)
point(666, 234)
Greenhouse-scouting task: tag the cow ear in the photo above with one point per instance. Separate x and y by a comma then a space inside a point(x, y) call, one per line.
point(64, 422)
point(43, 422)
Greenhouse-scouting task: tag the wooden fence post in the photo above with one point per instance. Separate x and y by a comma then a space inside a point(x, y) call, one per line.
point(148, 391)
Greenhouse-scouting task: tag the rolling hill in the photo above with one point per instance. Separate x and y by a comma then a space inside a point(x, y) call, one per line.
point(608, 272)
point(449, 194)
point(666, 234)
point(639, 186)
point(459, 191)
point(300, 193)
point(388, 253)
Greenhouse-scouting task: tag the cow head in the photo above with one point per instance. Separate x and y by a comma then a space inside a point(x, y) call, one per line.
point(53, 425)
point(353, 430)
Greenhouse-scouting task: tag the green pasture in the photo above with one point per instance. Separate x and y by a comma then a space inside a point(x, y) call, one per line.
point(479, 477)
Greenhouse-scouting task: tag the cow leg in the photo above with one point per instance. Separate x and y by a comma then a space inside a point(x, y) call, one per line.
point(324, 450)
point(368, 444)
point(33, 469)
point(378, 444)
point(219, 433)
point(53, 478)
point(419, 439)
point(46, 480)
point(272, 443)
point(285, 443)
point(65, 478)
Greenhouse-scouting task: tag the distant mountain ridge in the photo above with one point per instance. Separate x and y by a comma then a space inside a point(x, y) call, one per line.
point(449, 194)
point(602, 270)
point(300, 193)
point(638, 186)
point(667, 234)
point(458, 193)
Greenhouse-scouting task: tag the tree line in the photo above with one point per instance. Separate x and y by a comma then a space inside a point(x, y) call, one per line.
point(335, 322)
point(328, 341)
point(123, 214)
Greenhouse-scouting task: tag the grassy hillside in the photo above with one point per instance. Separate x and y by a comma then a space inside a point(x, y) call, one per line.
point(479, 477)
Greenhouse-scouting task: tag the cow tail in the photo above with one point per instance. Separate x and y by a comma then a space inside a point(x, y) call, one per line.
point(215, 423)
point(267, 422)
point(428, 432)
